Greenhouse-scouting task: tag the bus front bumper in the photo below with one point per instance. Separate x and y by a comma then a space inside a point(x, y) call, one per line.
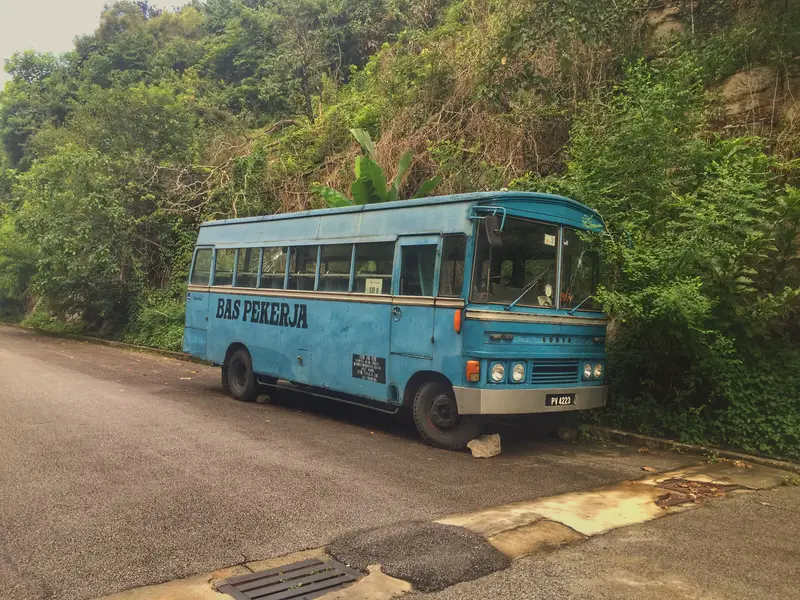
point(477, 401)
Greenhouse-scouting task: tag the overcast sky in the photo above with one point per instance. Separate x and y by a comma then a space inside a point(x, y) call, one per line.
point(49, 25)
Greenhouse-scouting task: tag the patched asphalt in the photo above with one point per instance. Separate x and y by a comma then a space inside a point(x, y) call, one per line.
point(428, 555)
point(120, 469)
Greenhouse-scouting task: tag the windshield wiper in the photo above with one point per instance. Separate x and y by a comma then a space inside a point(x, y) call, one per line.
point(572, 310)
point(527, 289)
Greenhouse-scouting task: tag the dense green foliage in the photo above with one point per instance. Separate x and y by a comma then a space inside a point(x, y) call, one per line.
point(370, 184)
point(703, 236)
point(113, 153)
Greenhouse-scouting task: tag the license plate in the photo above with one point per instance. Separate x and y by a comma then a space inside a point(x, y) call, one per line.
point(559, 400)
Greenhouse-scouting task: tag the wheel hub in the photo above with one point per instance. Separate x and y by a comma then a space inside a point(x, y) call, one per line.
point(444, 414)
point(239, 374)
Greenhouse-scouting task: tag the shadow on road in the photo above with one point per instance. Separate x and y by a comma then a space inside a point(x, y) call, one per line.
point(519, 434)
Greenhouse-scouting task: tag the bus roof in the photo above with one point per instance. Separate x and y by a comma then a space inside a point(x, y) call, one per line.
point(475, 198)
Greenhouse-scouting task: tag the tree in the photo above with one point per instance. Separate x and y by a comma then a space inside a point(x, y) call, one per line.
point(370, 184)
point(75, 207)
point(39, 94)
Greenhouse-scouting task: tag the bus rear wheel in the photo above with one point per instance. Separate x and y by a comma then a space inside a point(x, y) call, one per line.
point(436, 416)
point(241, 379)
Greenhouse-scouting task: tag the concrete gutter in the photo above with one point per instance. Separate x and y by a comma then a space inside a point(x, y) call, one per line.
point(637, 439)
point(515, 530)
point(524, 528)
point(373, 586)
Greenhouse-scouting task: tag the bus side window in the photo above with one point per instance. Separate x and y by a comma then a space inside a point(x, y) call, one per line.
point(374, 268)
point(302, 268)
point(247, 267)
point(201, 271)
point(451, 275)
point(417, 270)
point(273, 268)
point(334, 268)
point(223, 271)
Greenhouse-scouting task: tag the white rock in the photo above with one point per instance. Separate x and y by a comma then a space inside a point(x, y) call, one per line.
point(485, 446)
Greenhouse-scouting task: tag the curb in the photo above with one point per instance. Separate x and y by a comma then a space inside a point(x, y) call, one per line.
point(111, 343)
point(516, 530)
point(637, 439)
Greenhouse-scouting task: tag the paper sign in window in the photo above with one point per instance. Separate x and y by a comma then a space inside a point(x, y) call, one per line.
point(549, 240)
point(373, 286)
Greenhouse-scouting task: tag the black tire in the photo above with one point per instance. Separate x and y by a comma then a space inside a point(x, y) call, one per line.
point(438, 422)
point(240, 377)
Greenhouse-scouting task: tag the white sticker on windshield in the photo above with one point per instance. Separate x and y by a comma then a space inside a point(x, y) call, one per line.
point(550, 240)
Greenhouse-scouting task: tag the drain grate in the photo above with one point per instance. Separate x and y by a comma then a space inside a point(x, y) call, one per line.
point(298, 581)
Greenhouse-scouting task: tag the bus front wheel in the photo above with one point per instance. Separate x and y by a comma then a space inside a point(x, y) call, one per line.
point(438, 422)
point(241, 380)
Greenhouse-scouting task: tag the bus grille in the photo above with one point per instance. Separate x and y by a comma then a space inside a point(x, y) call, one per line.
point(554, 370)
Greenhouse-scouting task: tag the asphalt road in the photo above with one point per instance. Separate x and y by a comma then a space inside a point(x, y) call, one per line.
point(120, 469)
point(744, 547)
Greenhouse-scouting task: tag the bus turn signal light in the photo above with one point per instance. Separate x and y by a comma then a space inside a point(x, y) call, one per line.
point(458, 316)
point(473, 371)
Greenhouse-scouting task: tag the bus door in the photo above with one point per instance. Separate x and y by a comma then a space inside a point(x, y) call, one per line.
point(195, 333)
point(412, 306)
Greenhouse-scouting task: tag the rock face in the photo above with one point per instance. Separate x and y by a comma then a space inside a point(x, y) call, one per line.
point(485, 446)
point(663, 22)
point(751, 94)
point(791, 111)
point(761, 94)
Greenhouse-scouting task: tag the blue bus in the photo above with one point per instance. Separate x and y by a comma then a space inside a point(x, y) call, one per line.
point(454, 307)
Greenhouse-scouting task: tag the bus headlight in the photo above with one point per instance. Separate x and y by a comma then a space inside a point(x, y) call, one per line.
point(518, 373)
point(498, 372)
point(587, 371)
point(598, 371)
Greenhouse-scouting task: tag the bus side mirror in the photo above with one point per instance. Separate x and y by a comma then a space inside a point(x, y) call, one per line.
point(493, 233)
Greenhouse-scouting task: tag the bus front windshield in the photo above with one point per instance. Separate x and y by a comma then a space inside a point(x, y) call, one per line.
point(524, 270)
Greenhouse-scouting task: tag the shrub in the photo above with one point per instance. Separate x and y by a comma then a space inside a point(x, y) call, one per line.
point(158, 322)
point(698, 230)
point(40, 318)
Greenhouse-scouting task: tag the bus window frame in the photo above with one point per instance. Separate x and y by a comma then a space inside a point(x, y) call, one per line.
point(263, 249)
point(197, 249)
point(213, 280)
point(560, 263)
point(559, 236)
point(426, 239)
point(236, 267)
point(440, 258)
point(289, 249)
point(350, 270)
point(416, 240)
point(391, 274)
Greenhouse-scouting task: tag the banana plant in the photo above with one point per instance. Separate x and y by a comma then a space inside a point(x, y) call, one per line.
point(370, 185)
